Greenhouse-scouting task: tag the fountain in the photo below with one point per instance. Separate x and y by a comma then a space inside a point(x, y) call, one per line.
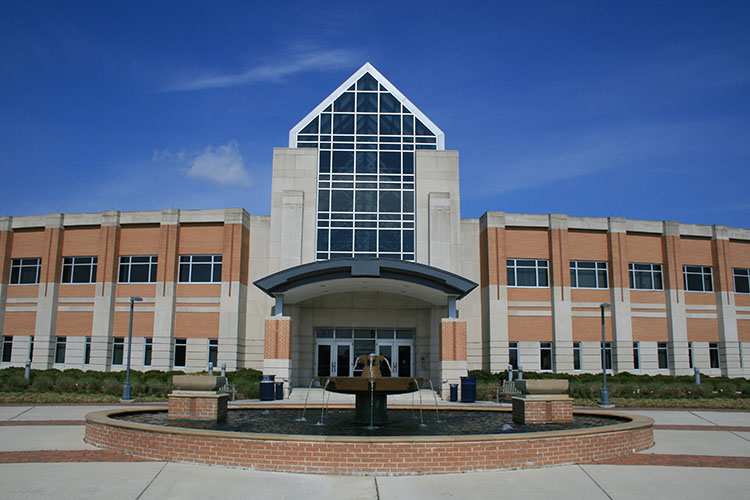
point(371, 388)
point(270, 438)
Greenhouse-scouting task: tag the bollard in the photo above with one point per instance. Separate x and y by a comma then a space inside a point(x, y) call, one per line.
point(27, 371)
point(510, 373)
point(520, 372)
point(223, 369)
point(697, 375)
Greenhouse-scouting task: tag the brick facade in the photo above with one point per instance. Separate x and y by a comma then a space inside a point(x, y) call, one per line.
point(542, 409)
point(194, 405)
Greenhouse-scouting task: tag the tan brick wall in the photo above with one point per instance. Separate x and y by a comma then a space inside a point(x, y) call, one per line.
point(589, 329)
point(23, 292)
point(644, 248)
point(19, 322)
point(201, 239)
point(696, 251)
point(27, 243)
point(278, 338)
point(196, 324)
point(452, 340)
point(78, 290)
point(74, 323)
point(650, 329)
point(143, 323)
point(530, 328)
point(743, 330)
point(135, 290)
point(80, 242)
point(521, 243)
point(587, 245)
point(702, 330)
point(139, 240)
point(196, 290)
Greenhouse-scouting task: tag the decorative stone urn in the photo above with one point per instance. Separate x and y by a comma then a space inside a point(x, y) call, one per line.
point(542, 402)
point(197, 397)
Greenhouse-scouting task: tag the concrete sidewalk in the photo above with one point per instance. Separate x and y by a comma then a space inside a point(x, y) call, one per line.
point(29, 429)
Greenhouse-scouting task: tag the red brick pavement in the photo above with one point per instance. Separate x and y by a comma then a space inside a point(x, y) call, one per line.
point(680, 461)
point(48, 456)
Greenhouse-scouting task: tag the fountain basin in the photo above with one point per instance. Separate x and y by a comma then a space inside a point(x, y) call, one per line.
point(358, 455)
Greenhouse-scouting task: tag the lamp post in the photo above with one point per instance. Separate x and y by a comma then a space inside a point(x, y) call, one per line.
point(605, 392)
point(126, 387)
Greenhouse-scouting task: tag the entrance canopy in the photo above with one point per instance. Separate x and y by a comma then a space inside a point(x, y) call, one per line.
point(325, 277)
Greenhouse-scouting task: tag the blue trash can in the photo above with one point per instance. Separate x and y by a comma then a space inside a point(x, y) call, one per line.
point(279, 390)
point(267, 388)
point(454, 393)
point(468, 389)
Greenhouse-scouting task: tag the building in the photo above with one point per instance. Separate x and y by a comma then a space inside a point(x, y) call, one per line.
point(365, 251)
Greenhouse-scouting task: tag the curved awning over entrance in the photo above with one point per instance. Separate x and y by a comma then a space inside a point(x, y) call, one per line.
point(420, 281)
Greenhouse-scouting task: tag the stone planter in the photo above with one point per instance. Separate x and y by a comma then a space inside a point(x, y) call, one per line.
point(544, 386)
point(198, 382)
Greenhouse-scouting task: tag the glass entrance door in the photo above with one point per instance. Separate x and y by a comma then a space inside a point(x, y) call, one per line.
point(333, 358)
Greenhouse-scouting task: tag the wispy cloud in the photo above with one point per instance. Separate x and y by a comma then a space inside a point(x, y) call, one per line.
point(594, 153)
point(223, 165)
point(296, 62)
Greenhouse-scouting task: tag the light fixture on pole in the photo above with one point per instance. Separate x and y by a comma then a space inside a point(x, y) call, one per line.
point(605, 392)
point(126, 387)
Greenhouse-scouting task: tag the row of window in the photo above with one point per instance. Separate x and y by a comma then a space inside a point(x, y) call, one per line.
point(118, 350)
point(545, 355)
point(133, 269)
point(592, 274)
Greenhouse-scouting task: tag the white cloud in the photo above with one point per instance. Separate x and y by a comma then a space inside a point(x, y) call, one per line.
point(284, 66)
point(223, 165)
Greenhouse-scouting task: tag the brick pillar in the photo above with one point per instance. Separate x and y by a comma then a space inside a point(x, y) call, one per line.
point(542, 408)
point(277, 348)
point(453, 364)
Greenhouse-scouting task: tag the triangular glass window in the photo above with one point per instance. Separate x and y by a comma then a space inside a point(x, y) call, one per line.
point(421, 129)
point(311, 128)
point(367, 82)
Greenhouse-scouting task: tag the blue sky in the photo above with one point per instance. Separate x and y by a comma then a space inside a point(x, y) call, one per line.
point(629, 109)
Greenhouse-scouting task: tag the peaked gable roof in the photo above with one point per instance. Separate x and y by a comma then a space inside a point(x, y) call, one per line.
point(368, 68)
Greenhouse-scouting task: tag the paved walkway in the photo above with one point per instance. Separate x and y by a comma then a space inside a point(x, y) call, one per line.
point(698, 454)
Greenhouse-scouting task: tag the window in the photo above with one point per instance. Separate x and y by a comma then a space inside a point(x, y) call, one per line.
point(607, 355)
point(742, 357)
point(545, 355)
point(576, 355)
point(137, 269)
point(180, 352)
point(698, 278)
point(713, 354)
point(588, 274)
point(528, 272)
point(60, 349)
point(741, 280)
point(31, 348)
point(79, 270)
point(513, 354)
point(690, 355)
point(148, 347)
point(645, 276)
point(366, 144)
point(663, 355)
point(200, 268)
point(25, 271)
point(87, 351)
point(213, 351)
point(7, 348)
point(118, 350)
point(636, 355)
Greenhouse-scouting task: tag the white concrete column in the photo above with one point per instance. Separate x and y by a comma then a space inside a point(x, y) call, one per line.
point(166, 287)
point(675, 300)
point(562, 317)
point(104, 301)
point(726, 311)
point(49, 292)
point(6, 228)
point(622, 329)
